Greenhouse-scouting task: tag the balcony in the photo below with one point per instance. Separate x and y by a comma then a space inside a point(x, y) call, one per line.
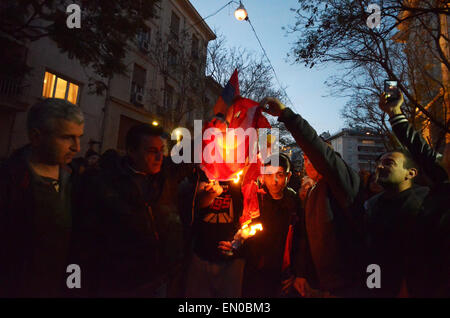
point(10, 87)
point(11, 93)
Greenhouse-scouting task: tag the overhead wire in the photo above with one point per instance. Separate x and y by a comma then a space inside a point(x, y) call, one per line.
point(260, 44)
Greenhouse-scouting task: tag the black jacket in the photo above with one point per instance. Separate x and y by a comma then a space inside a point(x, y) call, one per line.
point(330, 227)
point(265, 252)
point(430, 264)
point(391, 231)
point(132, 230)
point(17, 214)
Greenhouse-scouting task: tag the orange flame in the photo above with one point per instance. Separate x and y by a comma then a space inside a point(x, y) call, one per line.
point(238, 175)
point(251, 230)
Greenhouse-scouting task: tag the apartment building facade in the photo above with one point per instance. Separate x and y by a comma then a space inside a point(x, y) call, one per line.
point(152, 91)
point(359, 149)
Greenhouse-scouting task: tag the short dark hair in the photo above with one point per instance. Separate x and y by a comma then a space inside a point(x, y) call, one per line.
point(283, 161)
point(409, 162)
point(134, 135)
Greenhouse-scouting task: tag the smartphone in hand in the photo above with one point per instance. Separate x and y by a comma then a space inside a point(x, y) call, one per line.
point(391, 90)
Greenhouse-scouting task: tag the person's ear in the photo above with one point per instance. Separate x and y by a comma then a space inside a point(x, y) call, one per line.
point(288, 177)
point(412, 173)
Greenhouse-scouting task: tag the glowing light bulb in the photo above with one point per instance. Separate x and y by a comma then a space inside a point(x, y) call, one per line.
point(240, 13)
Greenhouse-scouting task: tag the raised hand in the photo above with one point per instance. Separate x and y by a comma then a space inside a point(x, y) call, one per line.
point(213, 187)
point(391, 107)
point(207, 192)
point(272, 106)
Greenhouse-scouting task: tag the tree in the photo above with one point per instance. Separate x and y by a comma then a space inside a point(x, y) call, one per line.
point(256, 79)
point(178, 63)
point(179, 60)
point(285, 137)
point(100, 43)
point(410, 45)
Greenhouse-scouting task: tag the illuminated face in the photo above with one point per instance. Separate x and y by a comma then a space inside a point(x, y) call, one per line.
point(391, 171)
point(59, 146)
point(149, 155)
point(275, 179)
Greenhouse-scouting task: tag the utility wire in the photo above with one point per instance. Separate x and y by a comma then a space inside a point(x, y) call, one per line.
point(270, 63)
point(209, 16)
point(260, 44)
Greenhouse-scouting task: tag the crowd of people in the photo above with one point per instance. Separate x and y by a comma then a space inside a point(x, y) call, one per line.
point(140, 225)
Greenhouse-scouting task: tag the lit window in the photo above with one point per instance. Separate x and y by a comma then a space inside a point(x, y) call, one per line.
point(73, 93)
point(368, 142)
point(57, 87)
point(61, 86)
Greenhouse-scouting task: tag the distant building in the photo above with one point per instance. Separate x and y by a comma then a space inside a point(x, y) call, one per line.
point(358, 148)
point(150, 92)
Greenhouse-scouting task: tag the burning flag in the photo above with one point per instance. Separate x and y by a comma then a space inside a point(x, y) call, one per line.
point(228, 146)
point(230, 91)
point(241, 113)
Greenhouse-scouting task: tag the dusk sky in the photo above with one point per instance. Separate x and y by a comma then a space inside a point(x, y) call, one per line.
point(306, 87)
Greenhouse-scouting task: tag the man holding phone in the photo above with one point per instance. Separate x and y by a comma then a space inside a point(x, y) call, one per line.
point(429, 271)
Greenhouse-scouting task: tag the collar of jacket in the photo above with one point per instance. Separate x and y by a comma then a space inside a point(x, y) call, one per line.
point(20, 171)
point(136, 171)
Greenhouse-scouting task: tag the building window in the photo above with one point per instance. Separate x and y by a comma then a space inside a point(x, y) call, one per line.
point(57, 87)
point(172, 56)
point(143, 39)
point(190, 109)
point(194, 47)
point(194, 78)
point(168, 98)
point(368, 142)
point(144, 35)
point(207, 106)
point(174, 25)
point(370, 149)
point(367, 157)
point(137, 85)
